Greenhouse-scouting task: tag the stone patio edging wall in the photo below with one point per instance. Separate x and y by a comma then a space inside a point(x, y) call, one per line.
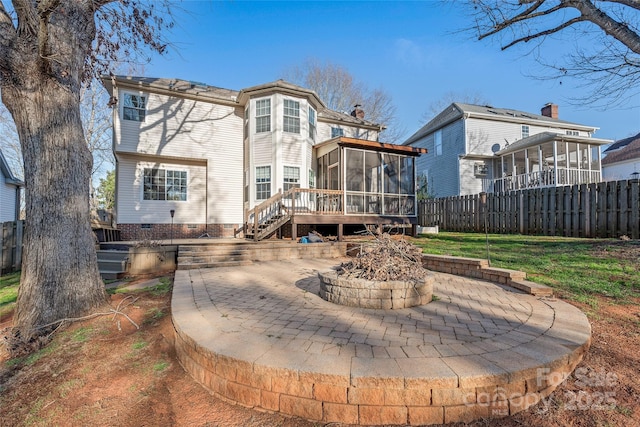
point(247, 369)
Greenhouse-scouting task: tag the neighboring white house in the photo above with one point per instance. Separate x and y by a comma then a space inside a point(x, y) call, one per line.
point(10, 187)
point(622, 160)
point(209, 156)
point(476, 148)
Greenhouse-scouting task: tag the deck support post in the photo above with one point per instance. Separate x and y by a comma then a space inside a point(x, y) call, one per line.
point(294, 231)
point(340, 231)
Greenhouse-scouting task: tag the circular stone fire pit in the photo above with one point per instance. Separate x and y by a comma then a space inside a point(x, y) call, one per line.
point(392, 294)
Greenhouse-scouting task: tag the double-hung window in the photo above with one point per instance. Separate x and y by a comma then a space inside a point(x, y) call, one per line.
point(291, 116)
point(163, 184)
point(312, 124)
point(134, 107)
point(263, 115)
point(437, 142)
point(291, 178)
point(263, 182)
point(525, 131)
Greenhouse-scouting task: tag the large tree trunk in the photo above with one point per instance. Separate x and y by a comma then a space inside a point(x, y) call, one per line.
point(40, 80)
point(60, 275)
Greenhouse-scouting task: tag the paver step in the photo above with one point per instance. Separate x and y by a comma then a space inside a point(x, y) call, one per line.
point(532, 288)
point(195, 265)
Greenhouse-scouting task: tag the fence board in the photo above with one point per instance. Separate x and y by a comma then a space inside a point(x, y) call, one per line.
point(634, 211)
point(594, 210)
point(11, 246)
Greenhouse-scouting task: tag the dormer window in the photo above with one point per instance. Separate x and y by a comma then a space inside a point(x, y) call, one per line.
point(134, 107)
point(291, 116)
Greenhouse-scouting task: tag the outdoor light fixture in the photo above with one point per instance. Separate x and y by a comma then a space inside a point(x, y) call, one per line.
point(172, 212)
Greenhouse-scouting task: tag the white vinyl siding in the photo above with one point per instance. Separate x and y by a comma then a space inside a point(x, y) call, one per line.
point(132, 208)
point(178, 127)
point(444, 178)
point(487, 136)
point(324, 132)
point(7, 201)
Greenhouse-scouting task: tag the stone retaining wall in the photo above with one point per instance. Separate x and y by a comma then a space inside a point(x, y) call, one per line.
point(331, 396)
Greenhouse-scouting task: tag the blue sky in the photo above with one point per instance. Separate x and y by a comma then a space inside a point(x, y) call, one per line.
point(411, 49)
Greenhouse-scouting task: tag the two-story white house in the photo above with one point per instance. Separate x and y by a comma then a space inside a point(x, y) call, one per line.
point(194, 159)
point(10, 187)
point(475, 148)
point(622, 160)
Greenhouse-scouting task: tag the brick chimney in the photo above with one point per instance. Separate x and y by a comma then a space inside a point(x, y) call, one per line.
point(358, 112)
point(550, 110)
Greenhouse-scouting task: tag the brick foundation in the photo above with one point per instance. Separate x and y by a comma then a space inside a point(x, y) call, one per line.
point(180, 231)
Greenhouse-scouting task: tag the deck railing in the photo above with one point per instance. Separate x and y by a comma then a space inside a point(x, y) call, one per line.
point(543, 179)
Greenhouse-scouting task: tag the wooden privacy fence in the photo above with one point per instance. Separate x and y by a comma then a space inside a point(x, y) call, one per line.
point(11, 246)
point(604, 209)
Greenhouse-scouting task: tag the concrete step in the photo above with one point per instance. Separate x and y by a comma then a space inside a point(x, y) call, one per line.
point(112, 265)
point(112, 275)
point(111, 254)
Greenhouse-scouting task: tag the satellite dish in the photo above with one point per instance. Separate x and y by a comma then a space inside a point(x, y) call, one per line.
point(495, 148)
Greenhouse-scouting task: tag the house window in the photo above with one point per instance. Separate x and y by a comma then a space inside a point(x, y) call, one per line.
point(525, 131)
point(312, 179)
point(573, 133)
point(480, 169)
point(438, 142)
point(291, 178)
point(312, 124)
point(263, 115)
point(263, 182)
point(162, 184)
point(336, 132)
point(291, 116)
point(134, 107)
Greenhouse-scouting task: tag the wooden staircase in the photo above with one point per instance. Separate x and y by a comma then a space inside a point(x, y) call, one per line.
point(266, 218)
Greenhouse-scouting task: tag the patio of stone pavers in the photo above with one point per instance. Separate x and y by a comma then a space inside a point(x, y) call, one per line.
point(260, 335)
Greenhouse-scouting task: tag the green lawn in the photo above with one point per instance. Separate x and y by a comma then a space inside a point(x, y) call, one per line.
point(578, 268)
point(8, 291)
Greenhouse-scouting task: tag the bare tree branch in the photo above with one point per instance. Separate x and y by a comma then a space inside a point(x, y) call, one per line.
point(543, 33)
point(612, 53)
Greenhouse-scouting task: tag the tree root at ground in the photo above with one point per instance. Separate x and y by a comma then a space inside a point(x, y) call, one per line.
point(17, 346)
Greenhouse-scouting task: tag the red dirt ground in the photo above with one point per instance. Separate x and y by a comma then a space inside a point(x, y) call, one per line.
point(105, 372)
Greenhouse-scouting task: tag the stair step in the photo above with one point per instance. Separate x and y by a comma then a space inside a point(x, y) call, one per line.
point(112, 275)
point(112, 265)
point(195, 265)
point(106, 254)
